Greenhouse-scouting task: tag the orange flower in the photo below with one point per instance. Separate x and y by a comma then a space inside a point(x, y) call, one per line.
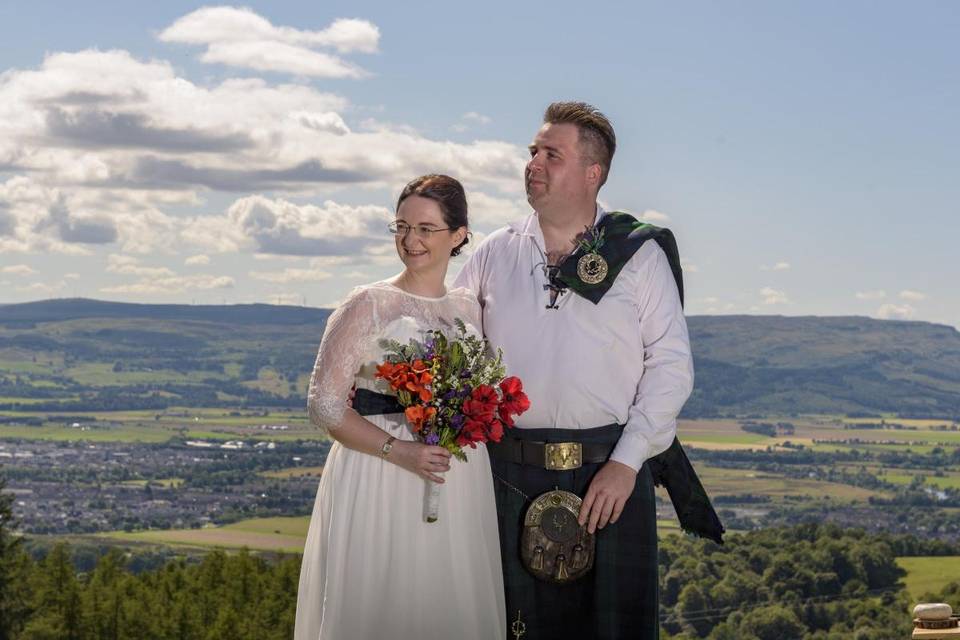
point(409, 377)
point(419, 415)
point(395, 374)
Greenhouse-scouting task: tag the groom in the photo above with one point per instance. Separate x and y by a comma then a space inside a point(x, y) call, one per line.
point(592, 323)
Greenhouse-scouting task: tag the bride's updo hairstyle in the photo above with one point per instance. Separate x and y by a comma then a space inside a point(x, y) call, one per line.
point(448, 193)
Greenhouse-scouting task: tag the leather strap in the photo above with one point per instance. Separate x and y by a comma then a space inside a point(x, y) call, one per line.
point(534, 453)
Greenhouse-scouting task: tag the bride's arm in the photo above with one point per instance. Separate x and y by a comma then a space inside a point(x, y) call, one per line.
point(348, 332)
point(358, 433)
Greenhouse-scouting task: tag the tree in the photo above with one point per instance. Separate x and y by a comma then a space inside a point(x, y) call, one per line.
point(772, 622)
point(13, 565)
point(57, 601)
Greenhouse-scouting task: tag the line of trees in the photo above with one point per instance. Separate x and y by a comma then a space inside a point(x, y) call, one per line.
point(809, 582)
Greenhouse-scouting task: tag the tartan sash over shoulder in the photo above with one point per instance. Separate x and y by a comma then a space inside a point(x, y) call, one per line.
point(623, 236)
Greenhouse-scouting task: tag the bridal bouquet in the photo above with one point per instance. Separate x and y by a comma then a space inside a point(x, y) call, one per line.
point(455, 395)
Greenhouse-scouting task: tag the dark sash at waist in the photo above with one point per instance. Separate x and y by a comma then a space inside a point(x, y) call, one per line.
point(372, 403)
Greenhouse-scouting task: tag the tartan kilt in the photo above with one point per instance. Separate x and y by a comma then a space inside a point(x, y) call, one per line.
point(618, 598)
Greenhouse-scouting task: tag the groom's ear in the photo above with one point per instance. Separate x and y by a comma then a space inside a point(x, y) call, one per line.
point(594, 175)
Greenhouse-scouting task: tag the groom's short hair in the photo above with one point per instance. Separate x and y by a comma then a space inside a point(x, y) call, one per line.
point(597, 140)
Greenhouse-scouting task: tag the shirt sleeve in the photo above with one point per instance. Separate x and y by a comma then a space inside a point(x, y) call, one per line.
point(471, 274)
point(667, 379)
point(345, 339)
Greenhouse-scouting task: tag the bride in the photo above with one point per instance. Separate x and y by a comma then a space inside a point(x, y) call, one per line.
point(372, 566)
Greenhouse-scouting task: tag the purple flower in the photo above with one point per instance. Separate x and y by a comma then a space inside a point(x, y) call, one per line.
point(432, 438)
point(466, 373)
point(450, 395)
point(466, 391)
point(457, 421)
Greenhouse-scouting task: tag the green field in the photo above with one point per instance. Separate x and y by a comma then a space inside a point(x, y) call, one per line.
point(152, 426)
point(929, 574)
point(293, 472)
point(60, 432)
point(266, 534)
point(719, 482)
point(951, 481)
point(262, 534)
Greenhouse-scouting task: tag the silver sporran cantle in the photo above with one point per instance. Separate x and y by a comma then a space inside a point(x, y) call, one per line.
point(554, 547)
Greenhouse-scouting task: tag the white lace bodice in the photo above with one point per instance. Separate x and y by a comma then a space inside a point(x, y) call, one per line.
point(350, 352)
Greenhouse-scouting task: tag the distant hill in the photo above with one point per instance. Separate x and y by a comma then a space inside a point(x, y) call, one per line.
point(79, 354)
point(815, 364)
point(78, 308)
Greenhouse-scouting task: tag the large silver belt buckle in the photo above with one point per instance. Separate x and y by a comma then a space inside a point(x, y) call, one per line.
point(563, 456)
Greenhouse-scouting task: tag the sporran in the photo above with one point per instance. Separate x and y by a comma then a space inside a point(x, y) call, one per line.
point(554, 547)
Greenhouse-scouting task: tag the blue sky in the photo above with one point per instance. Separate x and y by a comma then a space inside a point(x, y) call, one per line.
point(805, 154)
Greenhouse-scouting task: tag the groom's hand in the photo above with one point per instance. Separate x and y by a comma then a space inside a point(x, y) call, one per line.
point(607, 495)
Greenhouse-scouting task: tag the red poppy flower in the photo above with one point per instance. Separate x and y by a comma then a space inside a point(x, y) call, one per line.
point(515, 401)
point(486, 394)
point(496, 430)
point(473, 431)
point(482, 404)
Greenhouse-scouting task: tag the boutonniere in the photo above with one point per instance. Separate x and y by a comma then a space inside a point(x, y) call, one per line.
point(591, 268)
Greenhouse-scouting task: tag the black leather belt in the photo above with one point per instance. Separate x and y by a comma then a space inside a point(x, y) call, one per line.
point(554, 456)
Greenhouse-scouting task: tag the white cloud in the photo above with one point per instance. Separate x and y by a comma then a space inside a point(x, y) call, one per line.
point(490, 212)
point(470, 119)
point(479, 118)
point(330, 122)
point(780, 266)
point(654, 217)
point(279, 56)
point(18, 270)
point(102, 146)
point(174, 284)
point(913, 295)
point(871, 295)
point(241, 38)
point(199, 259)
point(291, 275)
point(688, 267)
point(129, 265)
point(896, 312)
point(278, 226)
point(42, 288)
point(773, 296)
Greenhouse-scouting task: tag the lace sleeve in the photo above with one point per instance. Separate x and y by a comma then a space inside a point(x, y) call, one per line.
point(340, 356)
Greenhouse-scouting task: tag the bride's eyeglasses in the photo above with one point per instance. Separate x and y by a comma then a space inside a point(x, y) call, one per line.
point(422, 231)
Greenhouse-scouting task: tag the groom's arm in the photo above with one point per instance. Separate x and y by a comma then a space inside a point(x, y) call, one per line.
point(665, 385)
point(667, 379)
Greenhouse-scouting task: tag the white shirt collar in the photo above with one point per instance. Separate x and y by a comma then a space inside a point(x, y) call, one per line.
point(530, 226)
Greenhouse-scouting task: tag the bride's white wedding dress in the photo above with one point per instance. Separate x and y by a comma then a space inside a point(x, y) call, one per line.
point(372, 566)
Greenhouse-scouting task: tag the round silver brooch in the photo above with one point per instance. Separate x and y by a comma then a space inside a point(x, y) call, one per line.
point(592, 268)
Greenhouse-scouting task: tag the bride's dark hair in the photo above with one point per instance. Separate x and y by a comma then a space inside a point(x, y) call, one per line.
point(448, 193)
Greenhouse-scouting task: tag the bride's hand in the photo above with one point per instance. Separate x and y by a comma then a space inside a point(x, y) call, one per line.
point(422, 459)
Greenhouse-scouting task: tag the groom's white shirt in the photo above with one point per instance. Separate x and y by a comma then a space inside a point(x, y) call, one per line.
point(625, 360)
